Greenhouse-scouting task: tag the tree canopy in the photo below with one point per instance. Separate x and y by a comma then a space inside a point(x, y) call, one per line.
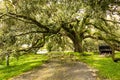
point(35, 22)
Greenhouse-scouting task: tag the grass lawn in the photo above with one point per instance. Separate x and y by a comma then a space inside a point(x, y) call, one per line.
point(25, 63)
point(107, 68)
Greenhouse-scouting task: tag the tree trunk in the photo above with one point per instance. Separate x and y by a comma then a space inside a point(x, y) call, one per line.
point(7, 59)
point(113, 55)
point(77, 41)
point(77, 46)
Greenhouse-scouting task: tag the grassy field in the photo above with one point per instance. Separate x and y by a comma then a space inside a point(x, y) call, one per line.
point(107, 68)
point(25, 63)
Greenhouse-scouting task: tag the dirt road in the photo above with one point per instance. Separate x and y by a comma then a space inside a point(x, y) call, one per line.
point(59, 70)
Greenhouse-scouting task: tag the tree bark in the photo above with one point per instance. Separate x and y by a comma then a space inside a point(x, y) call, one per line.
point(7, 59)
point(113, 55)
point(77, 42)
point(75, 37)
point(77, 46)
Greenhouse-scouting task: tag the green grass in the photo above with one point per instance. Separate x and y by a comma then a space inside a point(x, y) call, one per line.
point(25, 63)
point(107, 68)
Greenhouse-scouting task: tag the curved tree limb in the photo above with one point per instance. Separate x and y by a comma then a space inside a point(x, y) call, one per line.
point(30, 19)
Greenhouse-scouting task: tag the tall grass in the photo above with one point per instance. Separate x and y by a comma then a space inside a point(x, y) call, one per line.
point(25, 63)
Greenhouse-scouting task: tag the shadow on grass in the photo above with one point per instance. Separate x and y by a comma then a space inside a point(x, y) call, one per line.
point(107, 68)
point(15, 70)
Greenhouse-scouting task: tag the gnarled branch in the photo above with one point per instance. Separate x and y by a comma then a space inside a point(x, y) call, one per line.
point(30, 19)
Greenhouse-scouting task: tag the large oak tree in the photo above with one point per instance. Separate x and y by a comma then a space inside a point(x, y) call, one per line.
point(75, 19)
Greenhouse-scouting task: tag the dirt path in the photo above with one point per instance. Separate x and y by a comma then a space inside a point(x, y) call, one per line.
point(59, 70)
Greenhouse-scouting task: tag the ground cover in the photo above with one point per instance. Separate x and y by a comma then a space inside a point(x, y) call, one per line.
point(107, 69)
point(25, 63)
